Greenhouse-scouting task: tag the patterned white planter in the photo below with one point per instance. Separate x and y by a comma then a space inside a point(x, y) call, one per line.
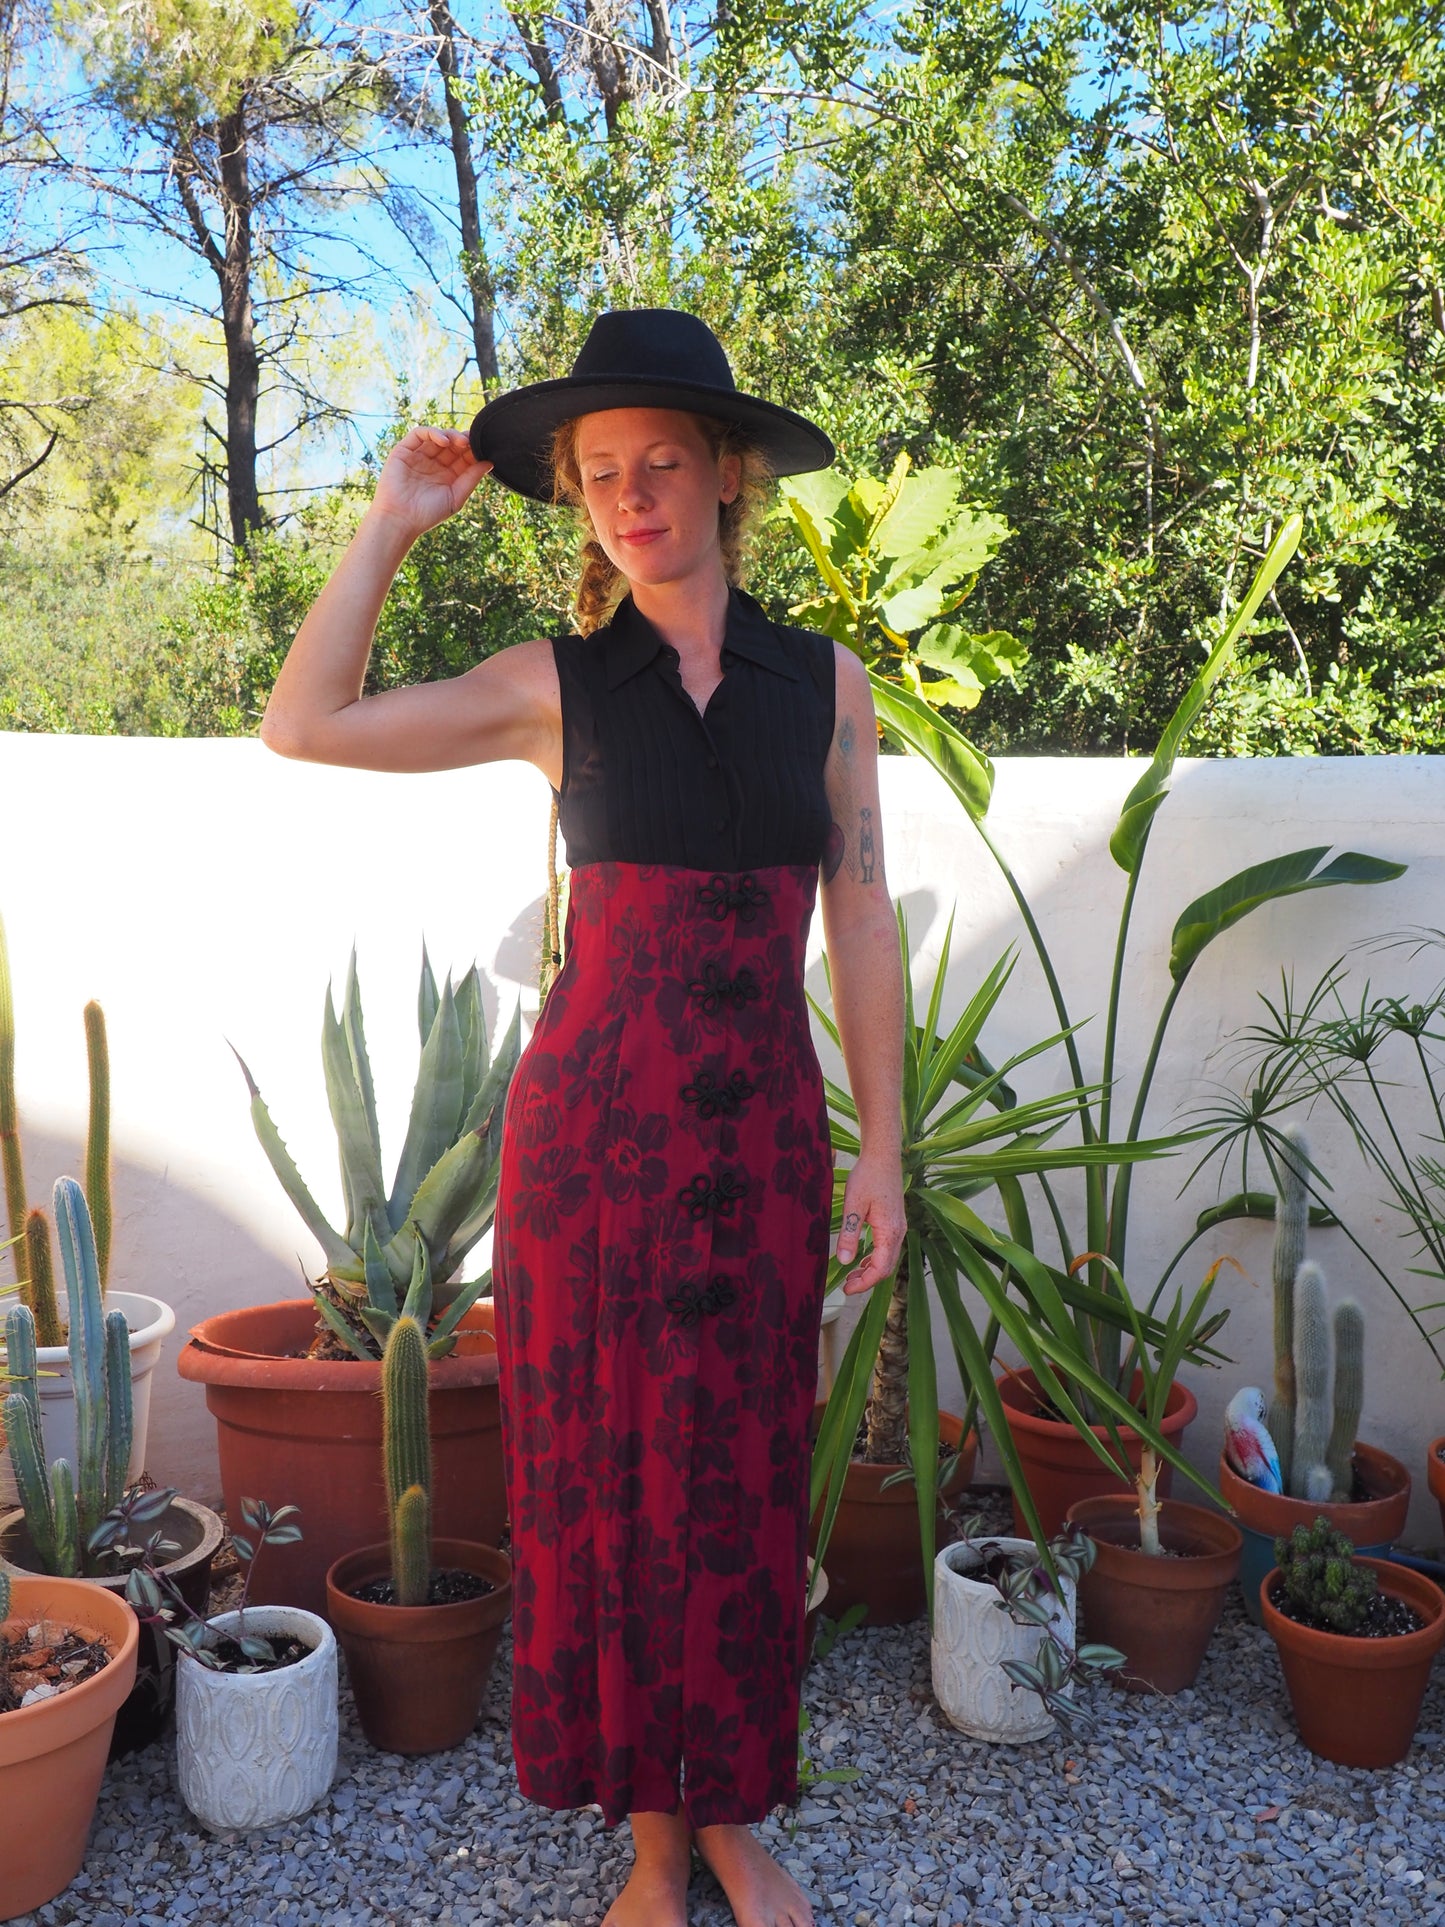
point(972, 1636)
point(253, 1749)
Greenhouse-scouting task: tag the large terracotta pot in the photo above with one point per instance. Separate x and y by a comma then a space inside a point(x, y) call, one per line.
point(973, 1636)
point(256, 1749)
point(307, 1432)
point(1435, 1474)
point(147, 1709)
point(150, 1322)
point(1357, 1701)
point(1159, 1613)
point(419, 1672)
point(1059, 1467)
point(874, 1553)
point(52, 1755)
point(1372, 1525)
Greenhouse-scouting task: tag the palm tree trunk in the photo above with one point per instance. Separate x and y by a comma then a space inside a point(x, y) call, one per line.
point(887, 1413)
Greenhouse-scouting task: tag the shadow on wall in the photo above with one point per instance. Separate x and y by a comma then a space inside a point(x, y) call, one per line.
point(178, 1244)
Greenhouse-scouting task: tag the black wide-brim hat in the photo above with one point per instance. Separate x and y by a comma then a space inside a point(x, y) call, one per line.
point(638, 358)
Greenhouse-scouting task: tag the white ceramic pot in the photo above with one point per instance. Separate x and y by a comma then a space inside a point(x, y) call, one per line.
point(972, 1637)
point(151, 1323)
point(254, 1749)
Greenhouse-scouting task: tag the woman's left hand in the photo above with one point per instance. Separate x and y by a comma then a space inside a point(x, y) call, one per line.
point(873, 1196)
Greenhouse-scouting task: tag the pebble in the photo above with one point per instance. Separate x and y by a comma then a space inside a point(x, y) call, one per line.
point(1155, 1816)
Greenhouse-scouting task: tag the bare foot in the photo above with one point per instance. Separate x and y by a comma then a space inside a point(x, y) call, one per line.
point(759, 1891)
point(655, 1893)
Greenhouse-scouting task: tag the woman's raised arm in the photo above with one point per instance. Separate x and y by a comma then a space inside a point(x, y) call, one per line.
point(507, 706)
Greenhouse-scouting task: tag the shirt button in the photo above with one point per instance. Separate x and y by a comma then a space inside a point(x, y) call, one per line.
point(712, 762)
point(722, 822)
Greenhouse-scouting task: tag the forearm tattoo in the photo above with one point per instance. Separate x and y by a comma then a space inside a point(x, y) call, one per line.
point(865, 847)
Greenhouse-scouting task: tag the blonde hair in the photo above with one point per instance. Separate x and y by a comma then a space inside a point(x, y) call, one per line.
point(601, 585)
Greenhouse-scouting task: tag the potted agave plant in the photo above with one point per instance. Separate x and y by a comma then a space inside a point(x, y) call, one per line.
point(1356, 1639)
point(256, 1693)
point(148, 1320)
point(67, 1663)
point(293, 1386)
point(59, 1528)
point(1300, 1458)
point(1156, 1586)
point(418, 1618)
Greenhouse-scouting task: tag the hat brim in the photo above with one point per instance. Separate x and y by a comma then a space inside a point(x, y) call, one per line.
point(514, 432)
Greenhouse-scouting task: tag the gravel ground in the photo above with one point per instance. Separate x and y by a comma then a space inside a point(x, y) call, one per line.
point(1203, 1808)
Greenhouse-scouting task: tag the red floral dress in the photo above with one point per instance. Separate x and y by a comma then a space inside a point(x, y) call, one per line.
point(661, 1244)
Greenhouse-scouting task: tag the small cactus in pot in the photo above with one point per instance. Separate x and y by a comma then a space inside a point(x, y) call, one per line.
point(64, 1505)
point(406, 1444)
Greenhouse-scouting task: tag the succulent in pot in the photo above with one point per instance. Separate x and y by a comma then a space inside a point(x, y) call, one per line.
point(443, 1192)
point(256, 1692)
point(1356, 1638)
point(419, 1618)
point(1005, 1657)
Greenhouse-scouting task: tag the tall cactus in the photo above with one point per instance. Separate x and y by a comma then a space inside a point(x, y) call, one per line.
point(1319, 1386)
point(39, 1293)
point(406, 1446)
point(1313, 1412)
point(1349, 1395)
point(97, 1137)
point(10, 1157)
point(63, 1510)
point(1291, 1222)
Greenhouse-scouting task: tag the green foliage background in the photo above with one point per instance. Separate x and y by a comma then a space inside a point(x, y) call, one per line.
point(1146, 280)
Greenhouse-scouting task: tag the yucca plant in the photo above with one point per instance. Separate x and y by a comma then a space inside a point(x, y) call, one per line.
point(967, 1134)
point(404, 1243)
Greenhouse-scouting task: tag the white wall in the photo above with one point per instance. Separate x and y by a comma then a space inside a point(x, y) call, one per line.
point(205, 891)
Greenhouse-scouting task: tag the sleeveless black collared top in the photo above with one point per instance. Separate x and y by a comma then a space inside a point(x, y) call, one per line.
point(647, 779)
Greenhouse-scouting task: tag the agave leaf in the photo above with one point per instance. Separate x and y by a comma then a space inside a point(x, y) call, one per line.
point(441, 1339)
point(445, 1198)
point(355, 1031)
point(493, 1091)
point(426, 999)
point(436, 1108)
point(360, 1166)
point(418, 1297)
point(337, 1251)
point(380, 1288)
point(476, 1051)
point(332, 1317)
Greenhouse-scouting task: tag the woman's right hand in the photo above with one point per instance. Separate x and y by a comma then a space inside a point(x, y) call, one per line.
point(427, 476)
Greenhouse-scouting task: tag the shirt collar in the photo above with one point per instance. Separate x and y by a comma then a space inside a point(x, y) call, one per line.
point(632, 643)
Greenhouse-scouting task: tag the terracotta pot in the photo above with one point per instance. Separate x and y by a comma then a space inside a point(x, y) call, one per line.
point(1435, 1474)
point(147, 1710)
point(874, 1553)
point(1160, 1613)
point(419, 1672)
point(307, 1432)
point(151, 1322)
point(972, 1637)
point(1357, 1701)
point(1059, 1467)
point(52, 1755)
point(1371, 1524)
point(256, 1749)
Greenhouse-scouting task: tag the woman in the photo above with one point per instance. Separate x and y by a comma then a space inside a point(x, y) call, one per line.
point(663, 1215)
